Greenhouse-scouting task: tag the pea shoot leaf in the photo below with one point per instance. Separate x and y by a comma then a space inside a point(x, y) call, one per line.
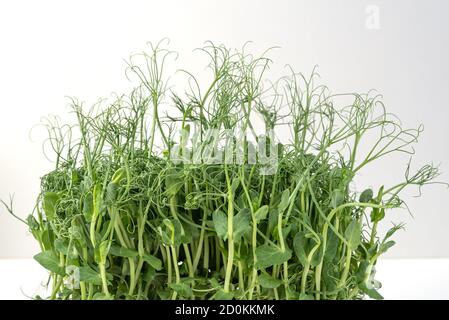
point(49, 204)
point(123, 252)
point(87, 274)
point(268, 255)
point(88, 207)
point(220, 223)
point(156, 263)
point(261, 213)
point(269, 282)
point(366, 196)
point(222, 295)
point(61, 246)
point(300, 246)
point(331, 245)
point(353, 234)
point(241, 223)
point(182, 289)
point(50, 261)
point(371, 292)
point(173, 181)
point(285, 201)
point(377, 214)
point(337, 198)
point(385, 246)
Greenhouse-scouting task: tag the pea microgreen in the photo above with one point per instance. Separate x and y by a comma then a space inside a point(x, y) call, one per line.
point(137, 225)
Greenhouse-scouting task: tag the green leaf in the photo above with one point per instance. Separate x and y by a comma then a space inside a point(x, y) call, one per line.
point(385, 246)
point(87, 274)
point(366, 196)
point(269, 282)
point(61, 246)
point(222, 295)
point(118, 175)
point(97, 198)
point(179, 234)
point(285, 201)
point(337, 198)
point(164, 294)
point(214, 283)
point(380, 193)
point(393, 230)
point(182, 289)
point(377, 214)
point(361, 271)
point(156, 263)
point(330, 277)
point(220, 223)
point(371, 249)
point(123, 252)
point(300, 245)
point(75, 177)
point(102, 296)
point(49, 205)
point(76, 231)
point(303, 246)
point(261, 213)
point(111, 193)
point(331, 245)
point(268, 256)
point(293, 294)
point(286, 231)
point(235, 184)
point(173, 181)
point(166, 238)
point(32, 223)
point(318, 253)
point(50, 261)
point(88, 207)
point(47, 238)
point(304, 296)
point(371, 292)
point(170, 230)
point(273, 216)
point(241, 223)
point(353, 234)
point(149, 275)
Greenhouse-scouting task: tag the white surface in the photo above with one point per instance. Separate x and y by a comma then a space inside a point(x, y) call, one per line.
point(401, 279)
point(407, 279)
point(53, 49)
point(20, 278)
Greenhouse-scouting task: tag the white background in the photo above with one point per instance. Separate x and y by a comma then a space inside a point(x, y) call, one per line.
point(53, 49)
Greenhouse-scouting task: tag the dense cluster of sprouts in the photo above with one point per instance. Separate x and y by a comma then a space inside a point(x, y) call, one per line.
point(118, 219)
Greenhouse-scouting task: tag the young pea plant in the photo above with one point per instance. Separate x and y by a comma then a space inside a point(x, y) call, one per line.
point(118, 218)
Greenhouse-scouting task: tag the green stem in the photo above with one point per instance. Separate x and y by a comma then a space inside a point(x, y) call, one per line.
point(104, 280)
point(173, 204)
point(175, 265)
point(345, 273)
point(305, 272)
point(198, 253)
point(230, 233)
point(254, 246)
point(132, 275)
point(57, 285)
point(83, 290)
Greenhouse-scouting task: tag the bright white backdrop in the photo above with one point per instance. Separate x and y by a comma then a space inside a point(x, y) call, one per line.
point(53, 49)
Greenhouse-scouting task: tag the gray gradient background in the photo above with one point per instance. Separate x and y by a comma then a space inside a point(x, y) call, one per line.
point(50, 49)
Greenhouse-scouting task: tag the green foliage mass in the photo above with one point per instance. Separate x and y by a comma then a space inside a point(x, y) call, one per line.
point(133, 224)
